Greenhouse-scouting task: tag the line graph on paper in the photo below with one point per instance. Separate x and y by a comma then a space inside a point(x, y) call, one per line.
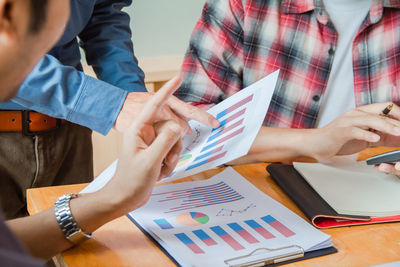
point(194, 142)
point(231, 212)
point(196, 197)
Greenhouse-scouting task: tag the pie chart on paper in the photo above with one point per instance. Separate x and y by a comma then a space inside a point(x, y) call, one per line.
point(192, 218)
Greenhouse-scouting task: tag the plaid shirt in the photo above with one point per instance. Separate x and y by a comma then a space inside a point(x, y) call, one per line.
point(237, 42)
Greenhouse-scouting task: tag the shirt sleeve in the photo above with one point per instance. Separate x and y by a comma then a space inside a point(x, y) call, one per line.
point(108, 46)
point(63, 92)
point(213, 65)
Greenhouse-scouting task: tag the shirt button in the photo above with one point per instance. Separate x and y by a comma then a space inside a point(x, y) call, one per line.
point(331, 51)
point(316, 98)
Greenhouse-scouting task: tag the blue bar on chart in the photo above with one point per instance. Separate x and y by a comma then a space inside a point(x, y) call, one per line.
point(227, 238)
point(277, 225)
point(163, 224)
point(225, 130)
point(189, 243)
point(259, 229)
point(222, 140)
point(243, 233)
point(221, 155)
point(203, 236)
point(229, 119)
point(205, 155)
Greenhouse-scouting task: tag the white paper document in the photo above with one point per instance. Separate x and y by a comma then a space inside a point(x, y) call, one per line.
point(204, 223)
point(354, 188)
point(240, 116)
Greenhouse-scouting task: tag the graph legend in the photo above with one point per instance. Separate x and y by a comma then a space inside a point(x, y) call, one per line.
point(163, 224)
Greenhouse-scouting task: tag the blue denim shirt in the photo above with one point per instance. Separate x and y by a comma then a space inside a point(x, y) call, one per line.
point(58, 88)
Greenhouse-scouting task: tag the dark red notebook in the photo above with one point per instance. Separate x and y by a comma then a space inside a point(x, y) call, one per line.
point(316, 209)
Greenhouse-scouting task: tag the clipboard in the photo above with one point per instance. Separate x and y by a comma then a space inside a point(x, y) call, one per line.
point(316, 209)
point(281, 257)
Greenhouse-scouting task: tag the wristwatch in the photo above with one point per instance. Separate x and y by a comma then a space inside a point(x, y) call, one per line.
point(67, 223)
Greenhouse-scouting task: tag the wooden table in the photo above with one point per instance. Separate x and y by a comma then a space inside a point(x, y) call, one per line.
point(121, 243)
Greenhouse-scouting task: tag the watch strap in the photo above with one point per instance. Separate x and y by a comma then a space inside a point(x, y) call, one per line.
point(66, 221)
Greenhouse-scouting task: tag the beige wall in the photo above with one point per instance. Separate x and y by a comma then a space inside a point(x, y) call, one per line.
point(161, 27)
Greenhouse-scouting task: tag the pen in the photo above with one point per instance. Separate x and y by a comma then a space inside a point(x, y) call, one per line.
point(386, 111)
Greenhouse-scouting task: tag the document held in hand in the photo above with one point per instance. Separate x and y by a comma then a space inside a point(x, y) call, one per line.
point(241, 116)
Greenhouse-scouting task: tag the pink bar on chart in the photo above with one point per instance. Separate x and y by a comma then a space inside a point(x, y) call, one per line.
point(247, 236)
point(209, 242)
point(262, 231)
point(281, 228)
point(231, 242)
point(195, 248)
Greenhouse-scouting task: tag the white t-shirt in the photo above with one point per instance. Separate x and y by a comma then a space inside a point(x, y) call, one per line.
point(347, 17)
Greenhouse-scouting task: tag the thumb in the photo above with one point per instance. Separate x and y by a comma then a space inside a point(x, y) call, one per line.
point(167, 137)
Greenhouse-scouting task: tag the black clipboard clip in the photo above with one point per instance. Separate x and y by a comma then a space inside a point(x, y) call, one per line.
point(266, 256)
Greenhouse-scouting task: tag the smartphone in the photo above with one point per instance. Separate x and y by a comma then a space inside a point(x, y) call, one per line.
point(388, 157)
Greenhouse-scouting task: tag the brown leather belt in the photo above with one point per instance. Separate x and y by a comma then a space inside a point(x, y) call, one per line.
point(28, 122)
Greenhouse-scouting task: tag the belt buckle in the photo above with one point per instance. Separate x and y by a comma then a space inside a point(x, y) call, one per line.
point(25, 125)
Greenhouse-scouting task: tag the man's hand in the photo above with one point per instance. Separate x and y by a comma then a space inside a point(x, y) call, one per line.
point(149, 152)
point(356, 130)
point(174, 109)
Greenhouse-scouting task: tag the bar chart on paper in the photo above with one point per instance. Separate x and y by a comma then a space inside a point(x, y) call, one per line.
point(240, 116)
point(205, 222)
point(197, 197)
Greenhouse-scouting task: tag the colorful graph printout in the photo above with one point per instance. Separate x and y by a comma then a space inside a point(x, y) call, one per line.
point(259, 229)
point(196, 197)
point(189, 243)
point(192, 218)
point(163, 223)
point(243, 233)
point(240, 116)
point(222, 237)
point(227, 238)
point(203, 236)
point(278, 226)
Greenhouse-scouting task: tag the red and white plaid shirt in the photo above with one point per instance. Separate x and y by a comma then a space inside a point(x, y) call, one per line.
point(237, 42)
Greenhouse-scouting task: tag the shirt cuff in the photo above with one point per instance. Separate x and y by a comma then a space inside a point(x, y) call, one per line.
point(98, 107)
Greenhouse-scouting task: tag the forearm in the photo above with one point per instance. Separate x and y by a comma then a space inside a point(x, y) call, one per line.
point(279, 144)
point(41, 234)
